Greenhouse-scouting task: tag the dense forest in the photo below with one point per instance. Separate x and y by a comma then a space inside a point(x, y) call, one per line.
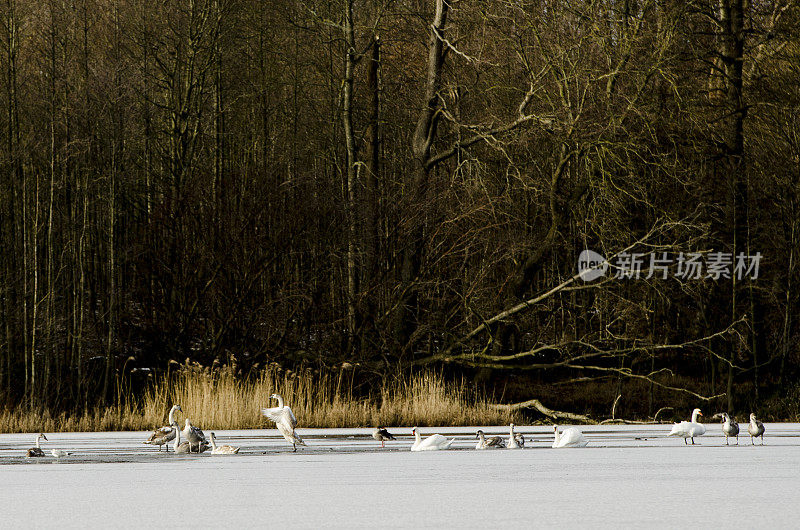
point(393, 186)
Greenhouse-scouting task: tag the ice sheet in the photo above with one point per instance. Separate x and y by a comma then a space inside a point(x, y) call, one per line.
point(627, 476)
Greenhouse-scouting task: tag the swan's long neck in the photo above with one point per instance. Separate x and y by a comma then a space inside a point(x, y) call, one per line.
point(172, 415)
point(558, 435)
point(37, 441)
point(480, 435)
point(213, 442)
point(416, 437)
point(694, 416)
point(177, 436)
point(280, 400)
point(511, 430)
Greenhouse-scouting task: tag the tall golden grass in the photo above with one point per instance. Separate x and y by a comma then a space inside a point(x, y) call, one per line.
point(218, 399)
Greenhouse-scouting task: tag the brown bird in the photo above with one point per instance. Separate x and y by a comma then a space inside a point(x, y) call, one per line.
point(381, 434)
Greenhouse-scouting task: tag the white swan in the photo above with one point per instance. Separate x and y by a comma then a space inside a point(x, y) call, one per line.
point(58, 453)
point(164, 435)
point(489, 443)
point(284, 420)
point(570, 437)
point(184, 447)
point(194, 435)
point(515, 441)
point(756, 429)
point(381, 434)
point(434, 442)
point(729, 427)
point(37, 451)
point(689, 429)
point(221, 449)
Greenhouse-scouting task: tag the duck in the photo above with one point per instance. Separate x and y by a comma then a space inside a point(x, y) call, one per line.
point(164, 435)
point(221, 449)
point(434, 442)
point(285, 421)
point(489, 443)
point(570, 437)
point(194, 435)
point(34, 452)
point(756, 429)
point(514, 439)
point(729, 427)
point(381, 434)
point(689, 429)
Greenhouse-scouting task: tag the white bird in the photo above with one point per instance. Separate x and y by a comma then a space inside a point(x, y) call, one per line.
point(194, 435)
point(164, 435)
point(381, 434)
point(221, 449)
point(37, 451)
point(729, 427)
point(284, 420)
point(515, 440)
point(756, 429)
point(434, 442)
point(184, 447)
point(689, 429)
point(489, 443)
point(570, 437)
point(58, 453)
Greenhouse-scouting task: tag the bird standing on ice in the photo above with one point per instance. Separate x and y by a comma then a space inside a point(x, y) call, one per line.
point(195, 437)
point(434, 442)
point(164, 435)
point(729, 427)
point(381, 434)
point(756, 429)
point(689, 429)
point(571, 437)
point(37, 451)
point(284, 420)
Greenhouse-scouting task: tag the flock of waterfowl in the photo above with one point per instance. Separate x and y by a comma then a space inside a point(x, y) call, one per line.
point(286, 422)
point(690, 429)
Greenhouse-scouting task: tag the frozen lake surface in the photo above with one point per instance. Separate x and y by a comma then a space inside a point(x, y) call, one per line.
point(628, 476)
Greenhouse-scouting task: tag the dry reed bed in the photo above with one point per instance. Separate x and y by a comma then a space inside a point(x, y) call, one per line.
point(216, 399)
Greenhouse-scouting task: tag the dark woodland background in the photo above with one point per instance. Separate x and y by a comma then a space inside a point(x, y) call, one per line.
point(400, 186)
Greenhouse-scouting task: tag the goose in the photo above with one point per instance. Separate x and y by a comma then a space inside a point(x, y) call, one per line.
point(514, 439)
point(689, 429)
point(36, 451)
point(381, 434)
point(729, 427)
point(194, 436)
point(284, 420)
point(221, 449)
point(756, 429)
point(184, 447)
point(489, 443)
point(164, 435)
point(570, 437)
point(434, 442)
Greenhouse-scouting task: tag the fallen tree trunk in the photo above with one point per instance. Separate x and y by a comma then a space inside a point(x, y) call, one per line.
point(555, 414)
